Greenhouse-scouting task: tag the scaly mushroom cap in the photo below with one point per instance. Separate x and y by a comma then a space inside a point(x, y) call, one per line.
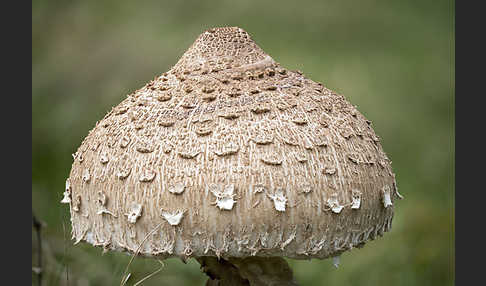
point(230, 154)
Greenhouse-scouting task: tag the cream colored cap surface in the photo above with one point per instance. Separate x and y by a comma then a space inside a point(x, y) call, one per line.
point(232, 155)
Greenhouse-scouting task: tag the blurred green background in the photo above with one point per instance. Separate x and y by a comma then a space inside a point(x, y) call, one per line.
point(393, 59)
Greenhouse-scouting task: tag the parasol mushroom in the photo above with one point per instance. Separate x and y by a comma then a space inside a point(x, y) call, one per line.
point(233, 160)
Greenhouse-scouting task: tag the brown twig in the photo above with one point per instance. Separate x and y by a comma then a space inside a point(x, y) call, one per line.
point(37, 226)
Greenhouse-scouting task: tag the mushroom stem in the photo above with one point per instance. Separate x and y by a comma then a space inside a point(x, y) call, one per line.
point(254, 271)
point(221, 272)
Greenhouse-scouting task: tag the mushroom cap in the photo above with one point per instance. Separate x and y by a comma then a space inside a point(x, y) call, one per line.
point(232, 155)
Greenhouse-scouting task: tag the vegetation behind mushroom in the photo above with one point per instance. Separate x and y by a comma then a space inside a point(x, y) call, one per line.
point(393, 59)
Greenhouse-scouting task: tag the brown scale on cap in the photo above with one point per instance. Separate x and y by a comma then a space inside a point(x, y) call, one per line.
point(229, 154)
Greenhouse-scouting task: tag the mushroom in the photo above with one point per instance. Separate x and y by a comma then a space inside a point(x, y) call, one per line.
point(233, 160)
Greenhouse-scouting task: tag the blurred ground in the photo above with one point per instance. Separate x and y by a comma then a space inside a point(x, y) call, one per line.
point(393, 59)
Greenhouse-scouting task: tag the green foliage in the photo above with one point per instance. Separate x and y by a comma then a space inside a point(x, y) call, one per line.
point(393, 59)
